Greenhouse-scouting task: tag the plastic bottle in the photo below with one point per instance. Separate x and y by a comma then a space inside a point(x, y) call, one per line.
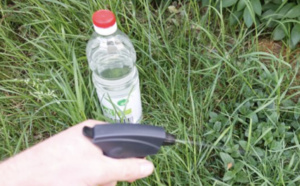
point(112, 58)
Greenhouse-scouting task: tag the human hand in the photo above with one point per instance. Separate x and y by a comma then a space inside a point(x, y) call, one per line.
point(69, 158)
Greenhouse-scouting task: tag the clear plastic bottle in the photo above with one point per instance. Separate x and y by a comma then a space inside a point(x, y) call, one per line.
point(112, 58)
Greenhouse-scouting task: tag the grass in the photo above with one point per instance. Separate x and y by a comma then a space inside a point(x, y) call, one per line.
point(200, 79)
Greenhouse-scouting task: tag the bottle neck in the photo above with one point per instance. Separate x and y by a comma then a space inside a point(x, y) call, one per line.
point(106, 31)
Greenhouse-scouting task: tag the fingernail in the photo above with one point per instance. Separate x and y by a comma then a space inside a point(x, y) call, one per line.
point(146, 168)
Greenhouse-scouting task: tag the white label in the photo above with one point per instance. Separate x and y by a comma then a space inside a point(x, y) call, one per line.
point(122, 109)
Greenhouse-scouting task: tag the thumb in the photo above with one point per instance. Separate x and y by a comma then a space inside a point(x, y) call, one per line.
point(130, 169)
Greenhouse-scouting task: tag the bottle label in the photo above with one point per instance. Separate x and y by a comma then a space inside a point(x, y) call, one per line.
point(122, 109)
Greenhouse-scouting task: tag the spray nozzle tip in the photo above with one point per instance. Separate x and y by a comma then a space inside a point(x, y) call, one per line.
point(170, 139)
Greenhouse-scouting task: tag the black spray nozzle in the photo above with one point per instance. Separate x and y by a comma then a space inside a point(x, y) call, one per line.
point(128, 140)
point(170, 139)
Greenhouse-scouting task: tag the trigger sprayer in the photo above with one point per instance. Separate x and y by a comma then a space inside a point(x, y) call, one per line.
point(129, 140)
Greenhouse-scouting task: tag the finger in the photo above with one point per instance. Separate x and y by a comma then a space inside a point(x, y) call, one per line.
point(129, 169)
point(110, 184)
point(130, 181)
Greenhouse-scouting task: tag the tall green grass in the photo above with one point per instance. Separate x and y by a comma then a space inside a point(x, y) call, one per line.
point(200, 79)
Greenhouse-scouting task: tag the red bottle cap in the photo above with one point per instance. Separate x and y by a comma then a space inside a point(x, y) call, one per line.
point(104, 18)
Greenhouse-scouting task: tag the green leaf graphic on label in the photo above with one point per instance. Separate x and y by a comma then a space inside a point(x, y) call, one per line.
point(122, 102)
point(128, 111)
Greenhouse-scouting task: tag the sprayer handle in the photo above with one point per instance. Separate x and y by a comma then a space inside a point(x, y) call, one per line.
point(128, 140)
